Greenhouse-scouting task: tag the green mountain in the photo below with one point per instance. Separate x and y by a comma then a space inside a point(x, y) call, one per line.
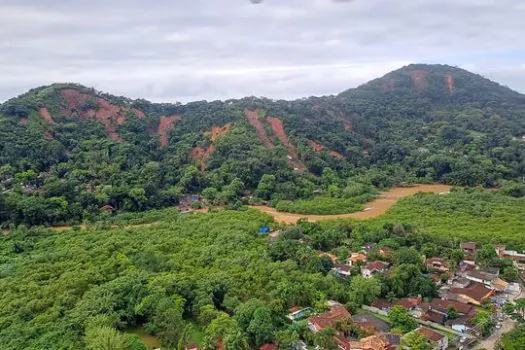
point(68, 150)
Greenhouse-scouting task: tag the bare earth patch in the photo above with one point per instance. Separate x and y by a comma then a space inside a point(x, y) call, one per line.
point(449, 80)
point(44, 113)
point(253, 119)
point(419, 79)
point(166, 124)
point(375, 208)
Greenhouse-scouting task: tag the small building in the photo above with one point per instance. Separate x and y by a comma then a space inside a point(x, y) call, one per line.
point(475, 294)
point(356, 258)
point(463, 324)
point(480, 276)
point(371, 324)
point(437, 264)
point(443, 307)
point(374, 267)
point(264, 230)
point(382, 304)
point(342, 270)
point(327, 319)
point(433, 316)
point(191, 347)
point(374, 342)
point(409, 303)
point(296, 313)
point(439, 341)
point(468, 247)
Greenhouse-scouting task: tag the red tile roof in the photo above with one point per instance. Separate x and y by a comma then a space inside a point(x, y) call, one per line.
point(409, 303)
point(336, 314)
point(434, 316)
point(355, 257)
point(475, 291)
point(376, 265)
point(468, 245)
point(430, 334)
point(444, 305)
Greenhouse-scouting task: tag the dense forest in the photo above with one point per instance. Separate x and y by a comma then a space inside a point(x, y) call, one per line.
point(68, 151)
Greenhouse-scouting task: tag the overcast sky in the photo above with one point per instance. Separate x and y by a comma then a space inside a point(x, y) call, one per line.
point(183, 50)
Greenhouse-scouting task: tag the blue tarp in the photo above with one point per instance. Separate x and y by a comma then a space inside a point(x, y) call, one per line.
point(264, 230)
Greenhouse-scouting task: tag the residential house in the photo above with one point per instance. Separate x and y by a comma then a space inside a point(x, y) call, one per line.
point(463, 324)
point(434, 316)
point(297, 312)
point(437, 264)
point(439, 340)
point(356, 258)
point(337, 313)
point(342, 270)
point(373, 267)
point(460, 282)
point(191, 347)
point(409, 303)
point(371, 324)
point(382, 304)
point(499, 285)
point(374, 342)
point(468, 247)
point(443, 307)
point(480, 276)
point(474, 294)
point(508, 254)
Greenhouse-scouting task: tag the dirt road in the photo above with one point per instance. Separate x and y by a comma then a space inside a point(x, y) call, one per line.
point(373, 209)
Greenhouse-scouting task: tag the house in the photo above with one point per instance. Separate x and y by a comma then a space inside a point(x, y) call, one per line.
point(439, 341)
point(463, 324)
point(434, 316)
point(409, 303)
point(480, 276)
point(296, 313)
point(342, 270)
point(337, 313)
point(468, 259)
point(461, 282)
point(331, 256)
point(443, 307)
point(374, 342)
point(513, 288)
point(191, 347)
point(371, 324)
point(468, 247)
point(436, 264)
point(382, 304)
point(107, 208)
point(356, 258)
point(268, 347)
point(508, 254)
point(474, 294)
point(499, 285)
point(374, 267)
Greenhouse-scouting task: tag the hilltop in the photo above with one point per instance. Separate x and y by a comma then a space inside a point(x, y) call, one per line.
point(72, 150)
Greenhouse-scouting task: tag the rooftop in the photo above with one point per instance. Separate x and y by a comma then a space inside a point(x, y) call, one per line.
point(430, 334)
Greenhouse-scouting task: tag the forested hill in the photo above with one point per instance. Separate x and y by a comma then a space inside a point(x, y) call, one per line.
point(67, 150)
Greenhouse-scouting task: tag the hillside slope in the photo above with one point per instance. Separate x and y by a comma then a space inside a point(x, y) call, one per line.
point(70, 150)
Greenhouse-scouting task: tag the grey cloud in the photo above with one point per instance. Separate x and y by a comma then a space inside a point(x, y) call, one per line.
point(201, 49)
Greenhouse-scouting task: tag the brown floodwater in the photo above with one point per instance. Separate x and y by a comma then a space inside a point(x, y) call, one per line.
point(373, 209)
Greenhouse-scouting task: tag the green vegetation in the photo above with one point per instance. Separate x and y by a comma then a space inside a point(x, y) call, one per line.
point(65, 169)
point(464, 215)
point(512, 340)
point(323, 205)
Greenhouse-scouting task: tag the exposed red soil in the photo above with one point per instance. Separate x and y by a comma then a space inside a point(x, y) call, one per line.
point(166, 124)
point(348, 125)
point(202, 155)
point(23, 121)
point(419, 79)
point(278, 130)
point(336, 154)
point(317, 147)
point(109, 114)
point(253, 119)
point(449, 80)
point(217, 131)
point(44, 113)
